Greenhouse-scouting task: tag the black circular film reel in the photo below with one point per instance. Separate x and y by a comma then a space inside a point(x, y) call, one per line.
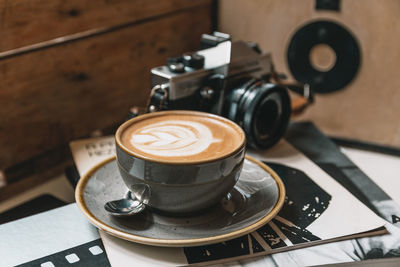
point(344, 46)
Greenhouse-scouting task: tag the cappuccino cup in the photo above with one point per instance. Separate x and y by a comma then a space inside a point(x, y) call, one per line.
point(180, 161)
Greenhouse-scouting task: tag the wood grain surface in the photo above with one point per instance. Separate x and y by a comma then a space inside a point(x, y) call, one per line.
point(25, 22)
point(368, 108)
point(51, 96)
point(37, 175)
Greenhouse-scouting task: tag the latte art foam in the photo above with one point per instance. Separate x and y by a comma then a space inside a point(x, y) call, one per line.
point(173, 138)
point(181, 136)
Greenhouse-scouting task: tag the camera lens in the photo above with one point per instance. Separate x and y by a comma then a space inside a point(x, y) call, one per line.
point(262, 109)
point(266, 118)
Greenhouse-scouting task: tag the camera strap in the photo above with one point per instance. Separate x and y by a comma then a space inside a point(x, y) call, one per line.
point(158, 97)
point(306, 94)
point(156, 101)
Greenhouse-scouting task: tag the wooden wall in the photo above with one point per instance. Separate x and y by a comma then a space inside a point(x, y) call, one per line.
point(68, 68)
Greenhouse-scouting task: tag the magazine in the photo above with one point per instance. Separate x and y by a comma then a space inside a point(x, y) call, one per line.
point(382, 170)
point(317, 210)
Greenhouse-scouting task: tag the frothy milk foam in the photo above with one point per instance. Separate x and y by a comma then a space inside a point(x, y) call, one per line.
point(173, 138)
point(182, 137)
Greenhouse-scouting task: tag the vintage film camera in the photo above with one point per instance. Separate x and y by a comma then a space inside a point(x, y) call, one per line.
point(232, 79)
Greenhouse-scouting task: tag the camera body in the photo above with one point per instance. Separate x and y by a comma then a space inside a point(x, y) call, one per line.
point(231, 79)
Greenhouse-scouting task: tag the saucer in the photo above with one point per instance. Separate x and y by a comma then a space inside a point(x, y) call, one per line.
point(256, 198)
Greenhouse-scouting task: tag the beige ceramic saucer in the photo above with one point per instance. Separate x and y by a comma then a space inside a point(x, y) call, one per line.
point(256, 199)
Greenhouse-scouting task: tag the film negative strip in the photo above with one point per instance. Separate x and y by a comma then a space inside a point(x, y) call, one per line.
point(86, 255)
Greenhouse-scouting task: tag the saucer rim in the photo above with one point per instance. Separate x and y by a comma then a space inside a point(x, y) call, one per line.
point(79, 197)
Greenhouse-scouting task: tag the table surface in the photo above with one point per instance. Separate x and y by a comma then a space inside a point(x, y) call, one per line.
point(55, 231)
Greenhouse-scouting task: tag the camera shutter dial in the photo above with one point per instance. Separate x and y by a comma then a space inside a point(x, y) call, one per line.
point(175, 65)
point(193, 60)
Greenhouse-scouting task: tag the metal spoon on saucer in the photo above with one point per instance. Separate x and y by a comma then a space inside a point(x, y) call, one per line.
point(127, 206)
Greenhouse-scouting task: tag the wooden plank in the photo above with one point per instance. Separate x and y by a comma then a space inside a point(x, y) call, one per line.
point(51, 96)
point(25, 22)
point(33, 180)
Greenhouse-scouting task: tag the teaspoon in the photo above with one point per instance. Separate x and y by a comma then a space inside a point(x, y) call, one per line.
point(127, 206)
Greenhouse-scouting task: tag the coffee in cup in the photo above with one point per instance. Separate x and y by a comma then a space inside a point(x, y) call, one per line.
point(182, 137)
point(180, 161)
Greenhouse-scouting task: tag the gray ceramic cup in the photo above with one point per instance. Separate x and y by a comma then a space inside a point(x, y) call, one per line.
point(179, 187)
